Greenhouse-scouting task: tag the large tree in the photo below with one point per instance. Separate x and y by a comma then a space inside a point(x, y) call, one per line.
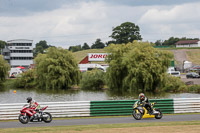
point(56, 69)
point(126, 32)
point(4, 68)
point(40, 47)
point(98, 44)
point(136, 66)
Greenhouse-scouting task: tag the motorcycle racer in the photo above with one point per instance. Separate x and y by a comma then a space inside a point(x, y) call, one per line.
point(34, 106)
point(144, 100)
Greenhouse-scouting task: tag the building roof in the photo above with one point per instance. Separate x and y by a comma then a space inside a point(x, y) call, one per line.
point(20, 41)
point(187, 42)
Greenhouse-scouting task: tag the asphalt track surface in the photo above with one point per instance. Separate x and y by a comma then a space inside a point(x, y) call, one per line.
point(90, 121)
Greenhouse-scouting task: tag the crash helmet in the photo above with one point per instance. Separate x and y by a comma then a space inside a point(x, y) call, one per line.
point(29, 99)
point(141, 96)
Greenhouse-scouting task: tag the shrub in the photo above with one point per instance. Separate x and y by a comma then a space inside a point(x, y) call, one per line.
point(194, 88)
point(174, 84)
point(26, 80)
point(92, 80)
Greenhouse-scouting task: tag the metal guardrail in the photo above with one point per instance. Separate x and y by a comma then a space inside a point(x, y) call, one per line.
point(57, 109)
point(124, 107)
point(186, 105)
point(102, 108)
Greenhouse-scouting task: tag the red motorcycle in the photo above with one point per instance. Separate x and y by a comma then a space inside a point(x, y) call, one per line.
point(27, 115)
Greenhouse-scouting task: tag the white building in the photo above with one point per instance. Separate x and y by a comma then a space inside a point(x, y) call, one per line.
point(19, 52)
point(188, 43)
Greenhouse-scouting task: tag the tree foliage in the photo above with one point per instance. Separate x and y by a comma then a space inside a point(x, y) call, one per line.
point(172, 40)
point(136, 66)
point(93, 79)
point(4, 68)
point(75, 48)
point(26, 80)
point(85, 46)
point(40, 47)
point(98, 44)
point(2, 45)
point(126, 32)
point(56, 69)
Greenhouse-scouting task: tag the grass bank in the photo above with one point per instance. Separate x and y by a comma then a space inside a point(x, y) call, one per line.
point(80, 55)
point(126, 127)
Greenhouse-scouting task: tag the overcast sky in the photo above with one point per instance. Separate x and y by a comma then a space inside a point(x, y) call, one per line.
point(67, 23)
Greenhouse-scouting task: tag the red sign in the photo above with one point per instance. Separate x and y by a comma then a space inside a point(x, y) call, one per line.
point(97, 56)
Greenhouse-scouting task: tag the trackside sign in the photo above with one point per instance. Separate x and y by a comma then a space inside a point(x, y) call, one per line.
point(97, 56)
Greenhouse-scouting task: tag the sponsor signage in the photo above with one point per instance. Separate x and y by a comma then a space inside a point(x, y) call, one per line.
point(97, 56)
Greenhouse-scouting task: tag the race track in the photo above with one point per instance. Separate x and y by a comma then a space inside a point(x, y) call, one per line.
point(88, 121)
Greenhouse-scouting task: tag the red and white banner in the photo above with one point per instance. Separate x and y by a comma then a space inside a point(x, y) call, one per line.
point(97, 56)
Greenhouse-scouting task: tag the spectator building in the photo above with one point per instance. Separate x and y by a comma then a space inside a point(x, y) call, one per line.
point(19, 52)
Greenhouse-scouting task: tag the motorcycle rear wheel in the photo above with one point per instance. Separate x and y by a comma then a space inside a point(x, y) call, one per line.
point(158, 116)
point(137, 115)
point(23, 119)
point(47, 118)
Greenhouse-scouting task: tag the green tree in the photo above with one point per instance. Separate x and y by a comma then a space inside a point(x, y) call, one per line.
point(171, 41)
point(75, 48)
point(126, 32)
point(56, 69)
point(26, 80)
point(137, 66)
point(98, 44)
point(2, 45)
point(85, 46)
point(158, 43)
point(4, 68)
point(93, 79)
point(40, 47)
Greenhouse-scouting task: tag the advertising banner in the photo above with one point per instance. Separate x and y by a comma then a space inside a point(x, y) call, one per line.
point(97, 56)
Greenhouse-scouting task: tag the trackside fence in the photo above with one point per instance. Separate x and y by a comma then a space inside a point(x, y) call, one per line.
point(124, 107)
point(102, 108)
point(57, 109)
point(186, 105)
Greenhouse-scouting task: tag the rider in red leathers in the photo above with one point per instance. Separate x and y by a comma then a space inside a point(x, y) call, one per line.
point(34, 106)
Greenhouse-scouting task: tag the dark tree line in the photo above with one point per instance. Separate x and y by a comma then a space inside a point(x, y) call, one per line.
point(98, 44)
point(124, 33)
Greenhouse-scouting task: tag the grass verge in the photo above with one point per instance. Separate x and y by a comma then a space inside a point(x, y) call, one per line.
point(63, 129)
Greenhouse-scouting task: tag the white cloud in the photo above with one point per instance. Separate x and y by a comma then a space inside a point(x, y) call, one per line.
point(76, 23)
point(179, 20)
point(81, 19)
point(179, 14)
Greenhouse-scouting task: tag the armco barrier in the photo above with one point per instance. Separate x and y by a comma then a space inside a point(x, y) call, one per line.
point(124, 107)
point(186, 105)
point(57, 109)
point(102, 108)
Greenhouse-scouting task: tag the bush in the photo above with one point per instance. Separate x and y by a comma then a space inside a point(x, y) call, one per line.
point(174, 84)
point(92, 80)
point(194, 88)
point(26, 80)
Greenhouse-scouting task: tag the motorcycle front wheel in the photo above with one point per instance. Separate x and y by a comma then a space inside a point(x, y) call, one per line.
point(47, 118)
point(23, 119)
point(137, 115)
point(159, 115)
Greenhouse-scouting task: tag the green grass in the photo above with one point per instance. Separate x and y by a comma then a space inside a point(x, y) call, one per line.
point(58, 129)
point(194, 56)
point(174, 48)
